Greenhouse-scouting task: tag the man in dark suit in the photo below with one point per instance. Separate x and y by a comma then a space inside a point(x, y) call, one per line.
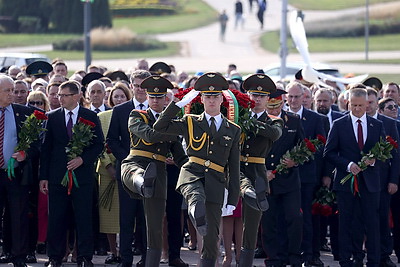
point(96, 91)
point(323, 103)
point(118, 140)
point(313, 125)
point(53, 166)
point(15, 191)
point(253, 182)
point(389, 180)
point(351, 134)
point(213, 148)
point(143, 172)
point(388, 107)
point(284, 190)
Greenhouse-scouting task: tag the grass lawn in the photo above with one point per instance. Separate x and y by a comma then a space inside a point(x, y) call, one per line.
point(331, 5)
point(386, 78)
point(195, 14)
point(172, 49)
point(373, 61)
point(270, 41)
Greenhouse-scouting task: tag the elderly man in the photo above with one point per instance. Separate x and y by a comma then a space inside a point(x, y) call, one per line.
point(96, 92)
point(15, 190)
point(213, 150)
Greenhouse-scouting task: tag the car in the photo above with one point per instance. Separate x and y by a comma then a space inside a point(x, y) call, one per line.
point(19, 59)
point(274, 70)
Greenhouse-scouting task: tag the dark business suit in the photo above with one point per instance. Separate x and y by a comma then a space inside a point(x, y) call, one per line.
point(16, 191)
point(53, 166)
point(285, 196)
point(341, 149)
point(394, 205)
point(118, 140)
point(389, 173)
point(313, 125)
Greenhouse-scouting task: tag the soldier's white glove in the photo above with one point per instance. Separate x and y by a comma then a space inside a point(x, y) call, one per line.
point(187, 98)
point(230, 209)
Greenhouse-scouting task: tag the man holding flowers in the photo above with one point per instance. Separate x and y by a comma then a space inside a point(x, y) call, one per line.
point(15, 188)
point(284, 188)
point(71, 145)
point(349, 136)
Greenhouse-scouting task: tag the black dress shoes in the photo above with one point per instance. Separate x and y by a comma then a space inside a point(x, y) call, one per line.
point(19, 264)
point(5, 258)
point(140, 263)
point(387, 263)
point(178, 262)
point(31, 258)
point(85, 263)
point(259, 254)
point(53, 263)
point(316, 262)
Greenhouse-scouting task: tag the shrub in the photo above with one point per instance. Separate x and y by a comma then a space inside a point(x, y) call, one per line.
point(105, 39)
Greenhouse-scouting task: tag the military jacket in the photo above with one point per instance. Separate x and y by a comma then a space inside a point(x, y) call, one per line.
point(145, 138)
point(258, 146)
point(222, 149)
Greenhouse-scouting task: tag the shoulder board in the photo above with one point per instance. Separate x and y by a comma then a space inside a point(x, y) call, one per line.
point(231, 122)
point(143, 114)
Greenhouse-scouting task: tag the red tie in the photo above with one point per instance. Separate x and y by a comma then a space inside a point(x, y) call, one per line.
point(360, 137)
point(2, 117)
point(70, 125)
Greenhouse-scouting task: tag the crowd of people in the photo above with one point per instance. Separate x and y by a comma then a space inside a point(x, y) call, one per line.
point(145, 180)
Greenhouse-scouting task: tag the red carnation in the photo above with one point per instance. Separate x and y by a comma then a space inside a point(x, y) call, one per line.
point(310, 145)
point(87, 122)
point(321, 138)
point(316, 208)
point(40, 115)
point(392, 141)
point(326, 210)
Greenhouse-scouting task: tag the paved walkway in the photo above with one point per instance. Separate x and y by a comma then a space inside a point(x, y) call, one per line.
point(202, 50)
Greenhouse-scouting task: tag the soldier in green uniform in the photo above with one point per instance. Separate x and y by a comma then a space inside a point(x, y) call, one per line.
point(143, 172)
point(213, 149)
point(253, 180)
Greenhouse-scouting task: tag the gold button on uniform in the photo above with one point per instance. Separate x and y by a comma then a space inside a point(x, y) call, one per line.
point(206, 170)
point(211, 142)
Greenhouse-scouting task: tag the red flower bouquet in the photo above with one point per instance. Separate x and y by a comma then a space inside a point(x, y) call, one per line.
point(323, 202)
point(301, 153)
point(29, 133)
point(81, 138)
point(236, 107)
point(380, 151)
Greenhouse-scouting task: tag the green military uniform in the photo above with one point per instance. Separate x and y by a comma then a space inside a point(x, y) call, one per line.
point(252, 166)
point(149, 149)
point(211, 157)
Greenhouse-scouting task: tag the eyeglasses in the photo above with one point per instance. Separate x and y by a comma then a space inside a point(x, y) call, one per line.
point(64, 95)
point(391, 107)
point(35, 103)
point(137, 85)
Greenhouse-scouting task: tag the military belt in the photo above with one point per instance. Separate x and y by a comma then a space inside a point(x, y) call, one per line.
point(147, 154)
point(207, 163)
point(252, 159)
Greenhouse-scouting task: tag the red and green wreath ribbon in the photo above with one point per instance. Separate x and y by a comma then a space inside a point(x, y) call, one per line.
point(69, 180)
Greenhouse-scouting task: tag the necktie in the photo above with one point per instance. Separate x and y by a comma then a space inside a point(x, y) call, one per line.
point(97, 110)
point(360, 137)
point(157, 116)
point(213, 128)
point(141, 106)
point(2, 118)
point(255, 116)
point(70, 124)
